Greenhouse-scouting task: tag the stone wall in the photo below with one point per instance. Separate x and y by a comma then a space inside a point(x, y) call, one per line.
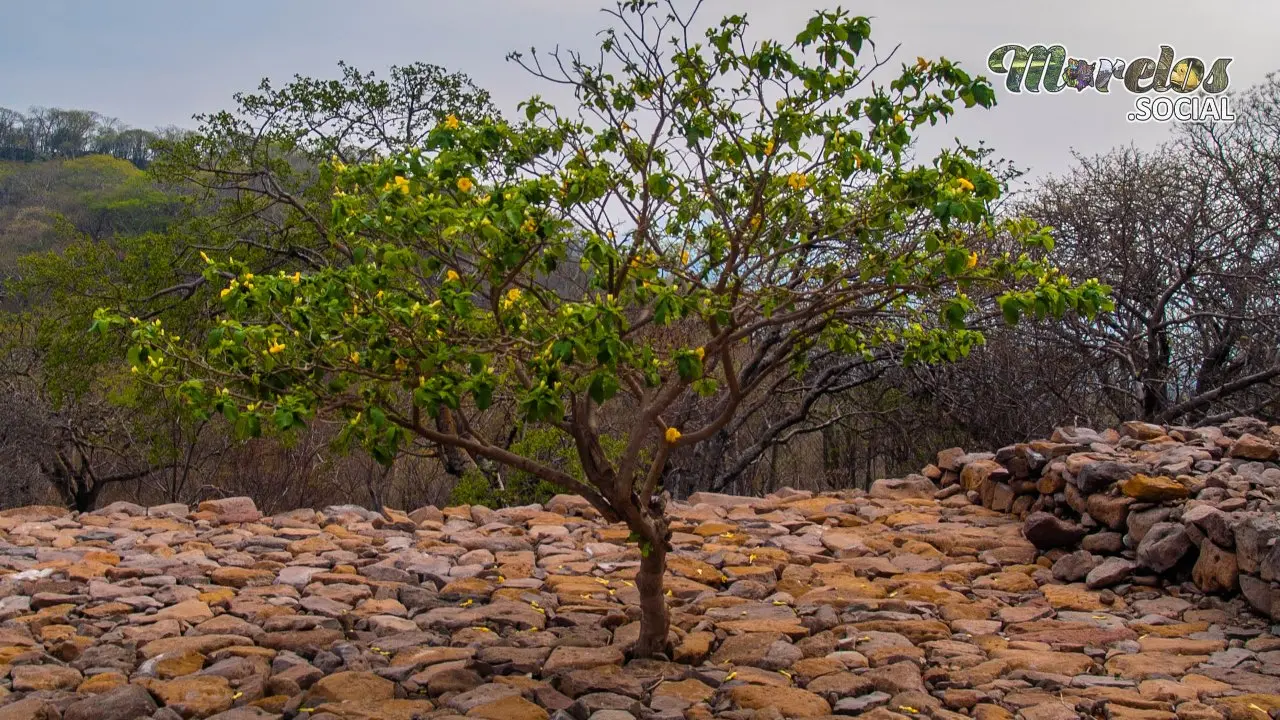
point(1141, 504)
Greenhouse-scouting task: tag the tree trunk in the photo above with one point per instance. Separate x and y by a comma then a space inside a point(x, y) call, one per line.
point(655, 623)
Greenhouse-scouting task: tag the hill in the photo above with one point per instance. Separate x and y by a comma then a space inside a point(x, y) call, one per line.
point(96, 195)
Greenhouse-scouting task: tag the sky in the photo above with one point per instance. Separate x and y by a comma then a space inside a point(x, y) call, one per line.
point(154, 63)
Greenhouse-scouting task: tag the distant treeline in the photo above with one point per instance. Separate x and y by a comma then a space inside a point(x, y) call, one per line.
point(57, 133)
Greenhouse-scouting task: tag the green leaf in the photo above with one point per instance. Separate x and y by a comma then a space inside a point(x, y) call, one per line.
point(1011, 309)
point(603, 386)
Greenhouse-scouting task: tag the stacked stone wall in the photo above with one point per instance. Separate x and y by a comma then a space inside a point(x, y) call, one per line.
point(1141, 503)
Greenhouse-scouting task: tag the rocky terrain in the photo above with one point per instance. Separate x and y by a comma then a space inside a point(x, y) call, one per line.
point(1179, 503)
point(920, 598)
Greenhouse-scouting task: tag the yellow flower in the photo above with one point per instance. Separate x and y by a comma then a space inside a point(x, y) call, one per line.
point(402, 184)
point(768, 148)
point(755, 222)
point(973, 260)
point(276, 349)
point(897, 117)
point(296, 278)
point(451, 122)
point(205, 257)
point(451, 276)
point(922, 64)
point(684, 257)
point(225, 292)
point(700, 352)
point(355, 358)
point(513, 294)
point(248, 277)
point(465, 184)
point(964, 183)
point(529, 225)
point(672, 435)
point(798, 181)
point(401, 365)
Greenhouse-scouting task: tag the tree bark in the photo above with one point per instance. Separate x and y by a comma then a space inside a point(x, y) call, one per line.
point(655, 622)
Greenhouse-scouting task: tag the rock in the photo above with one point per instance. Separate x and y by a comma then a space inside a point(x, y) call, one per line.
point(242, 577)
point(1098, 476)
point(1146, 488)
point(718, 499)
point(1257, 592)
point(195, 696)
point(1075, 566)
point(1215, 570)
point(1252, 447)
point(607, 678)
point(789, 702)
point(581, 658)
point(483, 695)
point(374, 710)
point(511, 707)
point(1250, 706)
point(44, 677)
point(748, 649)
point(1103, 543)
point(895, 678)
point(1110, 510)
point(1141, 430)
point(911, 486)
point(1048, 532)
point(30, 709)
point(1163, 546)
point(1217, 525)
point(1109, 572)
point(978, 472)
point(1254, 535)
point(350, 686)
point(1140, 523)
point(232, 510)
point(857, 705)
point(126, 701)
point(947, 459)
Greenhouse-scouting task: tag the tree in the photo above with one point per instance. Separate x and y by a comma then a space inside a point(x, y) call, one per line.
point(1195, 280)
point(735, 208)
point(254, 170)
point(74, 409)
point(1190, 245)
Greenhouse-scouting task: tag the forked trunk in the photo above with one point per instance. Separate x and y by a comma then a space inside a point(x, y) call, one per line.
point(654, 620)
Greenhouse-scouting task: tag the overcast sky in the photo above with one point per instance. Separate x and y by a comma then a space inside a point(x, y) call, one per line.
point(157, 62)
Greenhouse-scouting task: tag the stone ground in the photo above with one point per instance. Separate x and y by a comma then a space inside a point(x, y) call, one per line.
point(910, 603)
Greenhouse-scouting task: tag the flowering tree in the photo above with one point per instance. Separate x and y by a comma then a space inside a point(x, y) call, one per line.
point(731, 208)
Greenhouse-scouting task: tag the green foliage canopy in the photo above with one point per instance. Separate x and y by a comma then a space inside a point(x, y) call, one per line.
point(745, 194)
